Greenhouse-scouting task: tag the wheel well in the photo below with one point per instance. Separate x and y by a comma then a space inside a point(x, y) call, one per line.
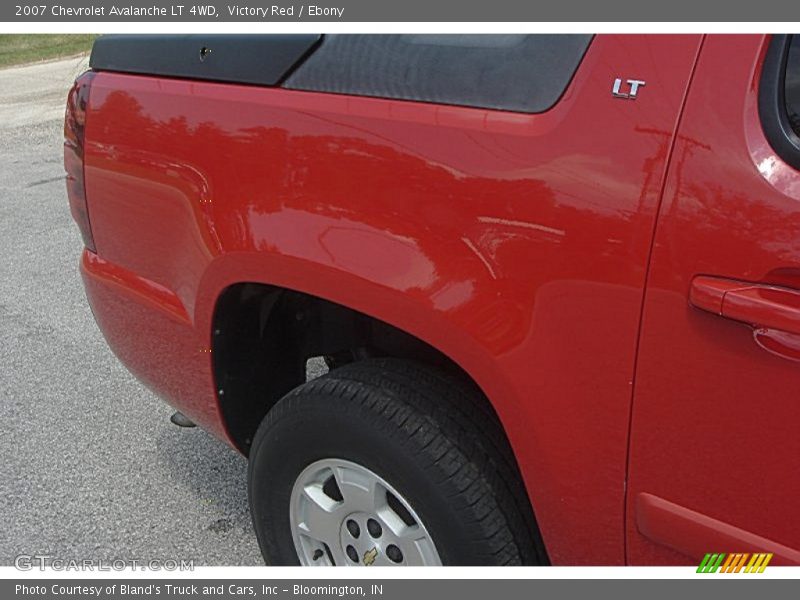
point(265, 336)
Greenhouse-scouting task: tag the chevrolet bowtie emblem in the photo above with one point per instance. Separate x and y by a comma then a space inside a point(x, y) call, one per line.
point(370, 556)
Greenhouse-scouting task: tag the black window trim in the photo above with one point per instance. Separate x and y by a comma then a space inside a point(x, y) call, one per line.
point(772, 102)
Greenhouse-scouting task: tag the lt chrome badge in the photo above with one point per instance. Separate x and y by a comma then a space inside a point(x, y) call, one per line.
point(633, 86)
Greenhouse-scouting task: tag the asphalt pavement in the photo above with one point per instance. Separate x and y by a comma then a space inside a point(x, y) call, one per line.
point(90, 466)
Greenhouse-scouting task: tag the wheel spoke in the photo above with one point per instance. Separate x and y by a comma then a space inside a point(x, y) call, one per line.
point(360, 490)
point(319, 515)
point(413, 540)
point(418, 550)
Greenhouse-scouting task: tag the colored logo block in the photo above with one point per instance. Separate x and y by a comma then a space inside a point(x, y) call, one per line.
point(735, 562)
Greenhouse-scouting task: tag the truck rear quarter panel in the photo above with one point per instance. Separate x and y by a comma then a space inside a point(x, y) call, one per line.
point(514, 243)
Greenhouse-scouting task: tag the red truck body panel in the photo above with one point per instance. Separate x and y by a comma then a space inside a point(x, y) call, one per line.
point(516, 244)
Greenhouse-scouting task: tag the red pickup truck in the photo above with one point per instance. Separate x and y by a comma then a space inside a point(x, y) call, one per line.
point(554, 280)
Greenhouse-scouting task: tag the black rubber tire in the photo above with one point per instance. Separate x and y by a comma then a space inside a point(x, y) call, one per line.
point(429, 434)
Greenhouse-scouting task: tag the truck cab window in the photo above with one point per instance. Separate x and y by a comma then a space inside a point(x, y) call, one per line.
point(792, 84)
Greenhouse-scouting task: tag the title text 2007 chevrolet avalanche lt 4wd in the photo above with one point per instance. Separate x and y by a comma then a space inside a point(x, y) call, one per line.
point(555, 279)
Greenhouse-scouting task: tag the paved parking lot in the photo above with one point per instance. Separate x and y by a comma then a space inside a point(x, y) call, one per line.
point(91, 466)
